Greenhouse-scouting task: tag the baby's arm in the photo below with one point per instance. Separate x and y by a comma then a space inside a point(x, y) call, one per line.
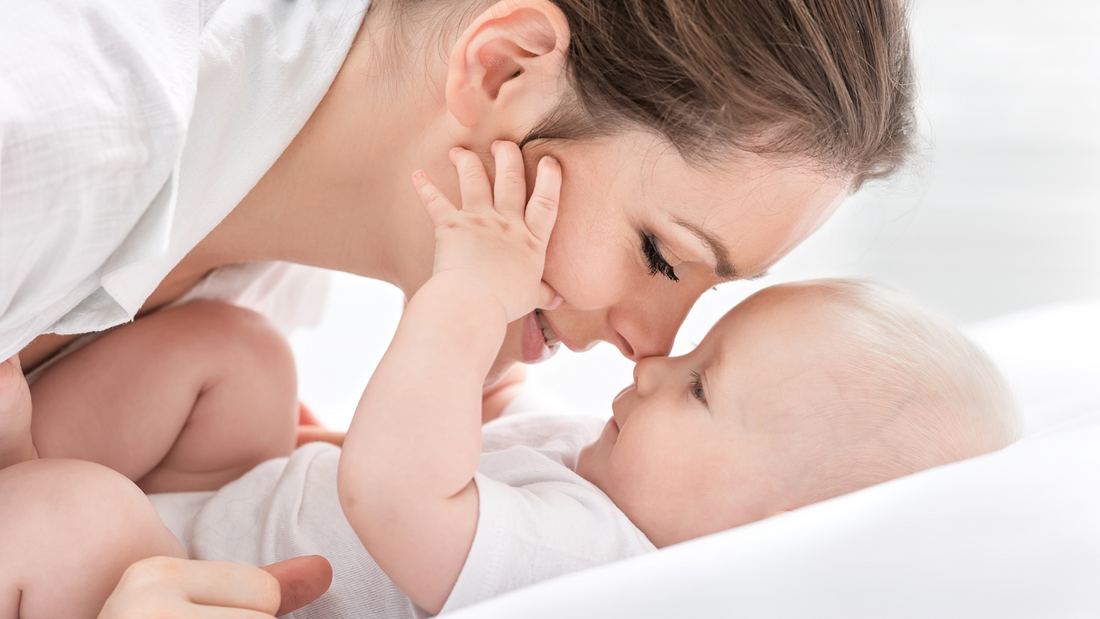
point(407, 469)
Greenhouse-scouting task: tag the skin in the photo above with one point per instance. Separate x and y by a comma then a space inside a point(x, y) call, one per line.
point(406, 474)
point(339, 195)
point(718, 438)
point(405, 478)
point(188, 365)
point(70, 554)
point(150, 399)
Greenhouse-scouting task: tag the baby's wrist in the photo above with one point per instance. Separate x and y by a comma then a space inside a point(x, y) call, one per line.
point(461, 290)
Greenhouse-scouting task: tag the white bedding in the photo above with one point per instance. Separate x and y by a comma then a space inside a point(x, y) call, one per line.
point(1010, 534)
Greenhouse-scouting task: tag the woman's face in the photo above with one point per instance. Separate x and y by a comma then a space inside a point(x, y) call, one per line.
point(641, 234)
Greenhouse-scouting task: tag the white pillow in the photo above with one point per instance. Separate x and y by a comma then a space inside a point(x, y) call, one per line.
point(1010, 534)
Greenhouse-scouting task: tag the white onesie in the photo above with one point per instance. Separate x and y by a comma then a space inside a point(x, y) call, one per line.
point(538, 519)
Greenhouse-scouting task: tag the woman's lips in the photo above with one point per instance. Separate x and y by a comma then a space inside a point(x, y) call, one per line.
point(535, 348)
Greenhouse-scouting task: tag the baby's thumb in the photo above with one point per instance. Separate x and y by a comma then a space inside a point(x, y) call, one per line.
point(549, 299)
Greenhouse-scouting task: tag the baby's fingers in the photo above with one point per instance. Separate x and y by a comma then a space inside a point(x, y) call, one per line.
point(437, 204)
point(542, 208)
point(473, 181)
point(510, 188)
point(549, 299)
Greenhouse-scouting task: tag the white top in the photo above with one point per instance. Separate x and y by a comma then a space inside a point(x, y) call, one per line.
point(538, 519)
point(129, 129)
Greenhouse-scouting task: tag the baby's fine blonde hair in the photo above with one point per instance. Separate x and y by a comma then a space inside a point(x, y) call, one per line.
point(913, 392)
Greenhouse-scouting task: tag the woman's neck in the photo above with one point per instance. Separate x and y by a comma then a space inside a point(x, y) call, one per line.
point(340, 196)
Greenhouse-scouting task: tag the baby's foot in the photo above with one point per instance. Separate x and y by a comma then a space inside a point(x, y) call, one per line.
point(15, 415)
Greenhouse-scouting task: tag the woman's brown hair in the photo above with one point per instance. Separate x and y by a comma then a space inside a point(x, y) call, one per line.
point(826, 80)
point(831, 80)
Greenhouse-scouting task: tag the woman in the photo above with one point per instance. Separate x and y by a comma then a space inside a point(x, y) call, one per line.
point(699, 142)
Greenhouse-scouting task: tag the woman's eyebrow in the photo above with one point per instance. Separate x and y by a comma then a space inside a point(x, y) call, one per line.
point(723, 266)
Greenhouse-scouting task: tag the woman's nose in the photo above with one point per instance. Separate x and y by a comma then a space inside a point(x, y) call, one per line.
point(648, 331)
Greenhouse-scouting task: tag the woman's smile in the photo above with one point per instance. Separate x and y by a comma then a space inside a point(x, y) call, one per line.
point(548, 332)
point(539, 341)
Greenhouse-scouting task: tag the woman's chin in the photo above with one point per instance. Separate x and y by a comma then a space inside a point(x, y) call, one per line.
point(523, 343)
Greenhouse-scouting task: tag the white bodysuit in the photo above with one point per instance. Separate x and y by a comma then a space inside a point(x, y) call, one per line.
point(538, 519)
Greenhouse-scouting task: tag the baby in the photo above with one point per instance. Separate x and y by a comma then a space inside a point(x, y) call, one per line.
point(800, 393)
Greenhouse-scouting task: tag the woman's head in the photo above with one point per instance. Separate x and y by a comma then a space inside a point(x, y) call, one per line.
point(691, 133)
point(825, 80)
point(830, 81)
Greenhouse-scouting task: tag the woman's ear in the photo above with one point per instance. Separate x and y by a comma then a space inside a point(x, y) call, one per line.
point(506, 70)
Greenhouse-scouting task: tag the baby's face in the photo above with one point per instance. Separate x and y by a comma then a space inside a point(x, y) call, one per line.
point(714, 439)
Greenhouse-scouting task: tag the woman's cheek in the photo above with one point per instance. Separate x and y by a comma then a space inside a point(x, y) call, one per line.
point(586, 274)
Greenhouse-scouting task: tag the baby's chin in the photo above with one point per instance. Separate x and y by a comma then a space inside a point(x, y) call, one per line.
point(584, 463)
point(590, 465)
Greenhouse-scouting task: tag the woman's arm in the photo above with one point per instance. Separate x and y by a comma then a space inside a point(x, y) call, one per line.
point(406, 472)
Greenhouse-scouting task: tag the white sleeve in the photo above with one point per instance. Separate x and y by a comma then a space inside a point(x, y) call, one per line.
point(538, 521)
point(95, 100)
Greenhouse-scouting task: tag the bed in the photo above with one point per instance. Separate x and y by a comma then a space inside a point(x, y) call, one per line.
point(1010, 534)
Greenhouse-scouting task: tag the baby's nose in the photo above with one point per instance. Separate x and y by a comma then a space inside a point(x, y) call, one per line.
point(647, 373)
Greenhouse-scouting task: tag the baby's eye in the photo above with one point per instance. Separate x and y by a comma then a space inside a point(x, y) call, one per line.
point(697, 388)
point(654, 259)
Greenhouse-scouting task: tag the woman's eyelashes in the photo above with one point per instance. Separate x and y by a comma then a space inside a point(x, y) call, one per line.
point(696, 387)
point(654, 259)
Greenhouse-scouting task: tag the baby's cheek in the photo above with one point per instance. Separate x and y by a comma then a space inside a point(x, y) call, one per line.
point(637, 470)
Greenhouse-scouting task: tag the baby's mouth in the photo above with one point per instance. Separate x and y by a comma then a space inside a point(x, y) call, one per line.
point(548, 333)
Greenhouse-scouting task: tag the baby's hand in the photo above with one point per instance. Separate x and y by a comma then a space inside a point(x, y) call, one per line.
point(497, 241)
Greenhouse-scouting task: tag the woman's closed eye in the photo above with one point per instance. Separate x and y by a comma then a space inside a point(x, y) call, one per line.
point(696, 387)
point(654, 259)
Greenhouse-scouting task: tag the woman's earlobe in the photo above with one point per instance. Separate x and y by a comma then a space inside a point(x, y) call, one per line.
point(505, 63)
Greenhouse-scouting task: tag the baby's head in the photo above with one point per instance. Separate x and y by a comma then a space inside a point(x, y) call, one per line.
point(800, 393)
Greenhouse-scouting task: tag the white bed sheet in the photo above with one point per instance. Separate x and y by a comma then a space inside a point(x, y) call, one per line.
point(1010, 534)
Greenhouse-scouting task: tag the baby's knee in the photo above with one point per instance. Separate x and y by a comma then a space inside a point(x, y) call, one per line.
point(71, 529)
point(248, 344)
point(246, 411)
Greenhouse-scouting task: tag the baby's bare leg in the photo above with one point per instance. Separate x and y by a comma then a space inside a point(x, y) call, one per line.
point(15, 415)
point(185, 399)
point(70, 529)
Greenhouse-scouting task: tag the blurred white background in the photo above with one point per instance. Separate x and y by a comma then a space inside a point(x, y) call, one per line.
point(999, 212)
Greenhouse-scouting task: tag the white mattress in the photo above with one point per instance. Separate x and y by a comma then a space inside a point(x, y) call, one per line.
point(1010, 534)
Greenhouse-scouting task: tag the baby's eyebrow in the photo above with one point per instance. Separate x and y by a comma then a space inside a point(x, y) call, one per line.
point(723, 266)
